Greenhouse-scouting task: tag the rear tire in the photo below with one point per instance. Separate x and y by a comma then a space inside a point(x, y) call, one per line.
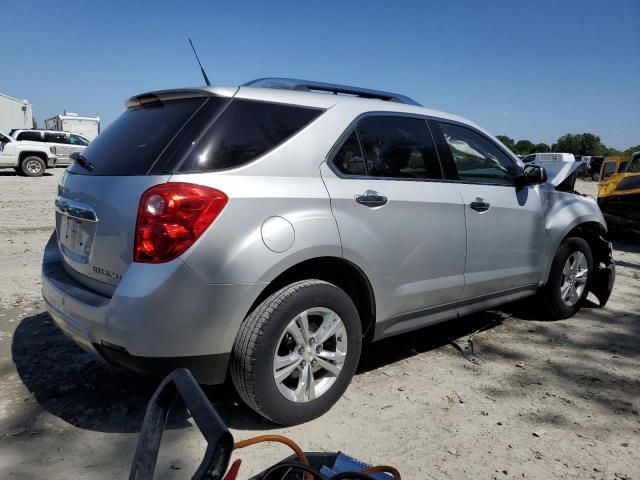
point(285, 374)
point(569, 279)
point(33, 166)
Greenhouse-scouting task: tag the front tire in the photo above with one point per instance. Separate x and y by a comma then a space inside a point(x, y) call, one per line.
point(296, 353)
point(569, 279)
point(33, 166)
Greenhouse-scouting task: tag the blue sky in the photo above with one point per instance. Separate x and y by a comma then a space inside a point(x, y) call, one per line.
point(533, 70)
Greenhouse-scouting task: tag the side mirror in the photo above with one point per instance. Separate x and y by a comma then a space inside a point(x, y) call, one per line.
point(533, 175)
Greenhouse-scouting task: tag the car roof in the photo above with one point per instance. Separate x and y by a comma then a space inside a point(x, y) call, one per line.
point(321, 97)
point(19, 130)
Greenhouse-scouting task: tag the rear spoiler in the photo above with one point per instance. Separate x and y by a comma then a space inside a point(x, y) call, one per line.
point(150, 98)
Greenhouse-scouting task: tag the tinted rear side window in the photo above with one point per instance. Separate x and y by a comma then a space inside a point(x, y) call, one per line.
point(398, 147)
point(244, 131)
point(349, 159)
point(31, 136)
point(133, 142)
point(51, 137)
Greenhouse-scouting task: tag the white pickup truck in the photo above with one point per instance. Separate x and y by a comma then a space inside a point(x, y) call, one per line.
point(29, 158)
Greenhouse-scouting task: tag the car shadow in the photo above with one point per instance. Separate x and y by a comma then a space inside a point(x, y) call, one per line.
point(73, 385)
point(13, 173)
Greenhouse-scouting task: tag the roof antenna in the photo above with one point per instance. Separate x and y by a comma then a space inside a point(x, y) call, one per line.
point(206, 79)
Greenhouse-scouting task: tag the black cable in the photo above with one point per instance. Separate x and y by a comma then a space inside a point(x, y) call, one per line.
point(295, 466)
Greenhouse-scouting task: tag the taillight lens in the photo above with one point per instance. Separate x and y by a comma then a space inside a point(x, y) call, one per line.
point(171, 217)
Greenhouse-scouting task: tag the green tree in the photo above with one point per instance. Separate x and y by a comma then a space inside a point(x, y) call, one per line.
point(541, 148)
point(524, 147)
point(569, 143)
point(580, 144)
point(591, 144)
point(508, 142)
point(631, 150)
point(612, 152)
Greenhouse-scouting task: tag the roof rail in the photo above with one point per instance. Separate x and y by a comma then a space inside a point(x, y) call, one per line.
point(312, 86)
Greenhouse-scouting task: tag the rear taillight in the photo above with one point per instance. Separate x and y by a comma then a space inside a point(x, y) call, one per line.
point(171, 217)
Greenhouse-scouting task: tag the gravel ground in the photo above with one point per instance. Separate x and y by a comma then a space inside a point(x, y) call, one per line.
point(547, 400)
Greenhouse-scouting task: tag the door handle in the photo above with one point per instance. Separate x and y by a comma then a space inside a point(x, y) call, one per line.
point(480, 206)
point(372, 199)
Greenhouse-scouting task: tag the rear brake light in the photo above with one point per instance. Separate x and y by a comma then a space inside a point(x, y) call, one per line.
point(171, 217)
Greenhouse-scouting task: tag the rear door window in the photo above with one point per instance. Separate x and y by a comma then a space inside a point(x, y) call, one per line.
point(30, 136)
point(53, 137)
point(349, 160)
point(244, 131)
point(135, 140)
point(399, 147)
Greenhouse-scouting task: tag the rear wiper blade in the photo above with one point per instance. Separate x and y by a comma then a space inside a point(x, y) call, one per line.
point(82, 161)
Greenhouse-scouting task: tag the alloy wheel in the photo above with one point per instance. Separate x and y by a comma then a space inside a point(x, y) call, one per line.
point(574, 278)
point(310, 355)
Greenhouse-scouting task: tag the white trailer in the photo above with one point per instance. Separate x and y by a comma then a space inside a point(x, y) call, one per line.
point(14, 113)
point(88, 127)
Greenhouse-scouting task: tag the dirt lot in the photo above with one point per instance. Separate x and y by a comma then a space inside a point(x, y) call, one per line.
point(548, 399)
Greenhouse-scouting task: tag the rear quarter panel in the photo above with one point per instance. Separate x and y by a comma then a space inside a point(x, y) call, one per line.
point(233, 249)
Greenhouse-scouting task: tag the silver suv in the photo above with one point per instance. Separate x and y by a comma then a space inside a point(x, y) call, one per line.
point(269, 230)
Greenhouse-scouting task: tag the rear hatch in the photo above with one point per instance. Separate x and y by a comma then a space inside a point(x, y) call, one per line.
point(99, 195)
point(186, 132)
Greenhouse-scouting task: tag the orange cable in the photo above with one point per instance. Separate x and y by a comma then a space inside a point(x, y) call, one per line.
point(384, 469)
point(276, 438)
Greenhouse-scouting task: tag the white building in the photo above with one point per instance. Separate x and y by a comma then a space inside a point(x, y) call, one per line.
point(14, 113)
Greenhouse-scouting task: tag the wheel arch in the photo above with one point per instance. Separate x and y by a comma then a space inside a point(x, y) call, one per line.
point(338, 271)
point(41, 155)
point(593, 232)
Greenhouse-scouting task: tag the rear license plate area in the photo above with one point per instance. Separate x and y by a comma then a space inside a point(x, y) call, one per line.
point(76, 238)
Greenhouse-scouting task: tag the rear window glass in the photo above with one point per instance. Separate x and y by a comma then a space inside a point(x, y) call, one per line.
point(133, 142)
point(244, 131)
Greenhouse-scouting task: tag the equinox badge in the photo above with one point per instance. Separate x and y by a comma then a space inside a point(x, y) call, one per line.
point(107, 272)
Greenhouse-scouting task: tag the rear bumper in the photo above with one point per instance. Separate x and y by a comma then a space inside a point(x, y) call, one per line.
point(160, 317)
point(207, 369)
